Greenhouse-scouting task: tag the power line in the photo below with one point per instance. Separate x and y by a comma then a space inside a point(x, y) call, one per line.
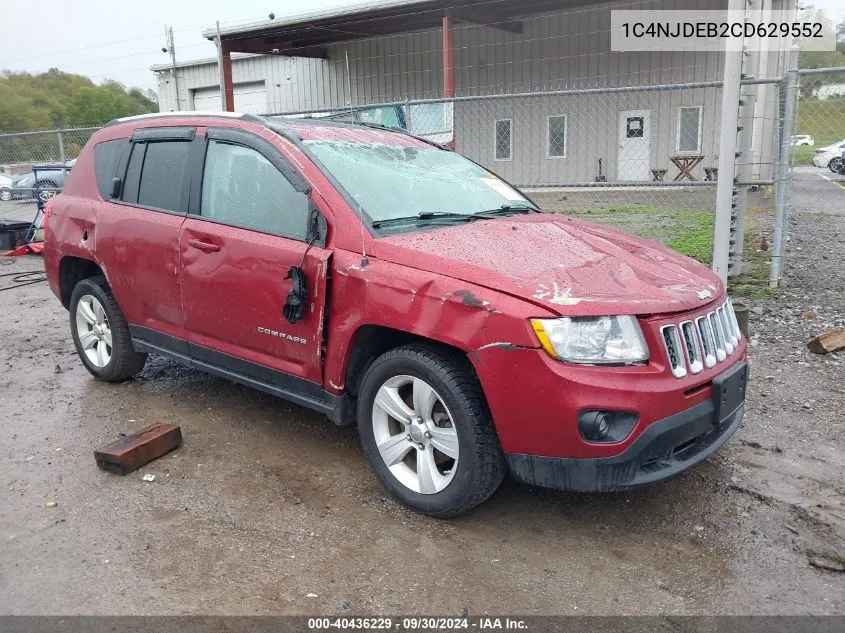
point(121, 41)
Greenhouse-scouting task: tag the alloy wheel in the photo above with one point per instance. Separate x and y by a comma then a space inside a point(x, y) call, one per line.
point(415, 434)
point(93, 330)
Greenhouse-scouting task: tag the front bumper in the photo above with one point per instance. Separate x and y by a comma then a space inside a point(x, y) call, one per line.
point(664, 448)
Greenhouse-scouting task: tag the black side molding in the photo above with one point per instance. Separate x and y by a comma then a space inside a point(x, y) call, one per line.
point(339, 409)
point(164, 134)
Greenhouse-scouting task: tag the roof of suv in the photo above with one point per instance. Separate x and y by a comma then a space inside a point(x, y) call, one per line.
point(300, 129)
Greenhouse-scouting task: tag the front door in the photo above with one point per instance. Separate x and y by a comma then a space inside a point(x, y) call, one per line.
point(634, 134)
point(237, 249)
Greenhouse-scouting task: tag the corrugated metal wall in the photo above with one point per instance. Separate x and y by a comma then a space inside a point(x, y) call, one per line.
point(565, 49)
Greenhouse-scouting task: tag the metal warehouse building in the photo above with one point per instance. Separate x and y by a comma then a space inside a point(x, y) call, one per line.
point(530, 89)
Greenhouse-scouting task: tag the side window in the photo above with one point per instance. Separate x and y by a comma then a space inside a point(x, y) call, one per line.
point(133, 173)
point(240, 186)
point(164, 170)
point(106, 160)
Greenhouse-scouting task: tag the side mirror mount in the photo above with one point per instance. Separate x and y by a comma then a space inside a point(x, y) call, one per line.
point(116, 187)
point(317, 227)
point(294, 308)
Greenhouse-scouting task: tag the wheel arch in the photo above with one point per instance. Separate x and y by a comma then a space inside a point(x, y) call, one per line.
point(72, 270)
point(371, 341)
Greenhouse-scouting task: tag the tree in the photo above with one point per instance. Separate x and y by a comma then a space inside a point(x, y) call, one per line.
point(57, 99)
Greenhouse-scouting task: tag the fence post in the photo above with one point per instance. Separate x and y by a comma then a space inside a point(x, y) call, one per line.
point(62, 157)
point(782, 172)
point(744, 153)
point(727, 153)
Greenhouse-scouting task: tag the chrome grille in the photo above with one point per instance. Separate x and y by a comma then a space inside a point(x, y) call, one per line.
point(692, 347)
point(672, 343)
point(709, 340)
point(716, 324)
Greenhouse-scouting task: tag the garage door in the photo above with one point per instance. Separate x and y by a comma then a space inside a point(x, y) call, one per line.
point(251, 97)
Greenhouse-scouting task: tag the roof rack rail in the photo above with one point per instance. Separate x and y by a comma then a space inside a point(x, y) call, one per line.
point(183, 113)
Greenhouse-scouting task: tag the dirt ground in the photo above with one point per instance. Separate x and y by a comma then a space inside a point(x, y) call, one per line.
point(268, 508)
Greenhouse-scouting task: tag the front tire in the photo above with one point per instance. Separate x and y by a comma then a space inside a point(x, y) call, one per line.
point(5, 195)
point(100, 332)
point(427, 432)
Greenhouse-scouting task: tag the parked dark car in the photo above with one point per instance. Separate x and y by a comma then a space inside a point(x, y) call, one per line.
point(43, 181)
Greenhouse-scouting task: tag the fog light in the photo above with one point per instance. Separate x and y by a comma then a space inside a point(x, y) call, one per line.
point(606, 426)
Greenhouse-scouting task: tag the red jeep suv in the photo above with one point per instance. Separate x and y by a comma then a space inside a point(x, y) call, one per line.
point(382, 279)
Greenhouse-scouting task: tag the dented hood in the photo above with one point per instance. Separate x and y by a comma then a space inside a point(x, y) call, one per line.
point(569, 266)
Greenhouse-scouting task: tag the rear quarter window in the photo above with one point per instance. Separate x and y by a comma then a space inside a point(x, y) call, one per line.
point(107, 157)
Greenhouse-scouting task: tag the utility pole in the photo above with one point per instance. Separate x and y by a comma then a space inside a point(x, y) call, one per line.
point(220, 70)
point(171, 48)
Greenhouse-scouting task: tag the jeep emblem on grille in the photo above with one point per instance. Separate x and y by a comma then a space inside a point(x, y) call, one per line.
point(704, 294)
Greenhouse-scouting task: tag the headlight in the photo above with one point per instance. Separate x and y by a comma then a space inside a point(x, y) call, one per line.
point(609, 340)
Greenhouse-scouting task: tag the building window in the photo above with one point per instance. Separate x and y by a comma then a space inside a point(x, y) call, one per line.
point(503, 139)
point(557, 136)
point(689, 130)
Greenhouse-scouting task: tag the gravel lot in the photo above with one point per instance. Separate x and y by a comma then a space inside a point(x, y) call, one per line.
point(267, 504)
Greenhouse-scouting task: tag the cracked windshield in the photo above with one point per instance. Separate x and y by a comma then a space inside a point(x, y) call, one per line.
point(397, 181)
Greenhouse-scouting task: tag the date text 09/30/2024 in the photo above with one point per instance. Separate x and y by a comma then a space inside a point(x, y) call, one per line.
point(417, 623)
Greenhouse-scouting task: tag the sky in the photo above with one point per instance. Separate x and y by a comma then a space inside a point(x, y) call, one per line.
point(104, 39)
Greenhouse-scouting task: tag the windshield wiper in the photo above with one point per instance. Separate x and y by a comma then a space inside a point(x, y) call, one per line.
point(426, 216)
point(506, 209)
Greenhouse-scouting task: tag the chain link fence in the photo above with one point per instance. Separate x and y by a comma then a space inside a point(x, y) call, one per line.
point(641, 158)
point(34, 165)
point(817, 144)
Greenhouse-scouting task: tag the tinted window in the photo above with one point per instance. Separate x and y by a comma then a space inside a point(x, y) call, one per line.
point(162, 175)
point(106, 159)
point(133, 173)
point(240, 186)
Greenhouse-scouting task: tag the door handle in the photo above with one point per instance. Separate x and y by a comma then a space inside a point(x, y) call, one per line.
point(205, 247)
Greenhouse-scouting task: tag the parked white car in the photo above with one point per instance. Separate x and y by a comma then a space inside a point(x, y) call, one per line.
point(5, 187)
point(802, 139)
point(824, 154)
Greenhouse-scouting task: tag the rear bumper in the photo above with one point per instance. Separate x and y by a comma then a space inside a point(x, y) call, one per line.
point(664, 448)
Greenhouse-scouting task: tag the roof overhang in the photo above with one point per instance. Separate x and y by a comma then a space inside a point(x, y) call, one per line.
point(308, 34)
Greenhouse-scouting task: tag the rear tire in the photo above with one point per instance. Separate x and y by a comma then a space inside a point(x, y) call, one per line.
point(100, 332)
point(5, 195)
point(430, 437)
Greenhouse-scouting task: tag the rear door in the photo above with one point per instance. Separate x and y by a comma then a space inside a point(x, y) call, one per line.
point(138, 233)
point(247, 227)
